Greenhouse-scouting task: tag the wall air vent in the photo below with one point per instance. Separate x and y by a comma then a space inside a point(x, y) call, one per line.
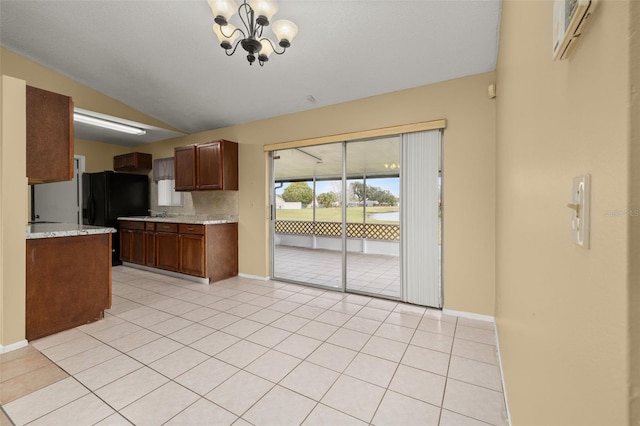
point(569, 20)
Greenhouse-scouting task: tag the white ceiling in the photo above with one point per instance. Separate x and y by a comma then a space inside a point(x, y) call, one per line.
point(378, 157)
point(162, 58)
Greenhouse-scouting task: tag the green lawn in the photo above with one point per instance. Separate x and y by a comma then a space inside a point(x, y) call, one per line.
point(334, 214)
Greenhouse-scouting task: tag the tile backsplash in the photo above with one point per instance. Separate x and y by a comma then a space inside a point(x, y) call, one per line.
point(200, 203)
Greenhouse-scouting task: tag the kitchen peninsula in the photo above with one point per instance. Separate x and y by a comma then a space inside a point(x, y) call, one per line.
point(68, 276)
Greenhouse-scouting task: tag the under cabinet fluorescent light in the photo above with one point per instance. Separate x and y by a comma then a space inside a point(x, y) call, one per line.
point(107, 124)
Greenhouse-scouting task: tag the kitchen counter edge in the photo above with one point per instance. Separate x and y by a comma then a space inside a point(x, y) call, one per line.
point(54, 230)
point(192, 220)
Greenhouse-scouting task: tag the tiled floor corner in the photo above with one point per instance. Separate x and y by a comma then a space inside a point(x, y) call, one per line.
point(249, 352)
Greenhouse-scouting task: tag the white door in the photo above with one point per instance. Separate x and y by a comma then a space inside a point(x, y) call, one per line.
point(60, 201)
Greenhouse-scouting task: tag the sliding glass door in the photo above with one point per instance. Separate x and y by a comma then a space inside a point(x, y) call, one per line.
point(373, 217)
point(307, 213)
point(360, 216)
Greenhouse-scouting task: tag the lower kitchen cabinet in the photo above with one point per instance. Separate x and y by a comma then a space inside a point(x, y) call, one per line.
point(205, 251)
point(167, 246)
point(137, 246)
point(132, 242)
point(150, 244)
point(125, 244)
point(192, 260)
point(68, 282)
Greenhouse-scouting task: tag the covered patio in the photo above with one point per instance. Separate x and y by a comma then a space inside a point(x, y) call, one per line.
point(375, 274)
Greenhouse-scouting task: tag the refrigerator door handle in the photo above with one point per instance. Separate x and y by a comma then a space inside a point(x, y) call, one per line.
point(91, 209)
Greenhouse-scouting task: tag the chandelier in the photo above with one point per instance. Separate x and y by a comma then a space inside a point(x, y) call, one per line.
point(255, 16)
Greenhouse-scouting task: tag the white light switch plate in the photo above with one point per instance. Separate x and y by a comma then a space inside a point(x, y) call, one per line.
point(580, 209)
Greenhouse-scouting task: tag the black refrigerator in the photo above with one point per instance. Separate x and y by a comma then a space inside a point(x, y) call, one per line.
point(108, 195)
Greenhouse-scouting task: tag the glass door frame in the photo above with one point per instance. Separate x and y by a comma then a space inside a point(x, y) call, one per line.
point(344, 221)
point(272, 226)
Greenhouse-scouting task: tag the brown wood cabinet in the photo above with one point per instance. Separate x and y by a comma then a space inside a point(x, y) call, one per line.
point(192, 249)
point(206, 251)
point(131, 162)
point(49, 136)
point(185, 168)
point(132, 244)
point(150, 244)
point(68, 282)
point(167, 256)
point(207, 166)
point(137, 246)
point(125, 244)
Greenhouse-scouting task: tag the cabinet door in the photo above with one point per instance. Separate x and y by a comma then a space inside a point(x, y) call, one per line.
point(137, 247)
point(167, 251)
point(209, 169)
point(122, 162)
point(192, 255)
point(125, 245)
point(185, 168)
point(133, 161)
point(49, 136)
point(150, 248)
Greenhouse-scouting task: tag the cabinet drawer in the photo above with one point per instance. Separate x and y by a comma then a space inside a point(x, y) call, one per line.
point(186, 228)
point(167, 227)
point(150, 226)
point(126, 224)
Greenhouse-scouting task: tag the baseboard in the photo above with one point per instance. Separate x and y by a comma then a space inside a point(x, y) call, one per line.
point(13, 346)
point(504, 385)
point(254, 277)
point(469, 315)
point(167, 273)
point(491, 319)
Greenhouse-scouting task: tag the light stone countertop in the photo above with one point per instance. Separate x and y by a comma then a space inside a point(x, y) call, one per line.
point(52, 230)
point(190, 219)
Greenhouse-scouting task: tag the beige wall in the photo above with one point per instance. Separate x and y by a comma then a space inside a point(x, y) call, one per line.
point(634, 220)
point(562, 310)
point(13, 210)
point(469, 162)
point(98, 155)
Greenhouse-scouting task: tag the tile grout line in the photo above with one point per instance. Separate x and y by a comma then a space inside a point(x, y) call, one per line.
point(285, 287)
point(395, 371)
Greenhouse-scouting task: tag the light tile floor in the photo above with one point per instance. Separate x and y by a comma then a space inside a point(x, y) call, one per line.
point(245, 352)
point(370, 273)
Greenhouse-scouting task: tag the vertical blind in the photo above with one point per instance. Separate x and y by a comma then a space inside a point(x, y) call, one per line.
point(419, 218)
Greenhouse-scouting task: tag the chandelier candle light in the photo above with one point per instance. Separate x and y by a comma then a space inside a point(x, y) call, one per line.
point(255, 15)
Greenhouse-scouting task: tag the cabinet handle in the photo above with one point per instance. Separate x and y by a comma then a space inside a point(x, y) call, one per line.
point(190, 228)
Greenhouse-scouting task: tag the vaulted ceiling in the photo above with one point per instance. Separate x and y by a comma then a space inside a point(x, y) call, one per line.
point(162, 58)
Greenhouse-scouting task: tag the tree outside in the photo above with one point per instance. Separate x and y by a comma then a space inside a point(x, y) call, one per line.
point(298, 192)
point(327, 199)
point(373, 193)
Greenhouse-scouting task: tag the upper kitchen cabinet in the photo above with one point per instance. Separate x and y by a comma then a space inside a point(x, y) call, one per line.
point(132, 162)
point(49, 136)
point(184, 160)
point(207, 166)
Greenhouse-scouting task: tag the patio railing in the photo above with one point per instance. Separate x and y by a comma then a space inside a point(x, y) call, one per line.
point(370, 231)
